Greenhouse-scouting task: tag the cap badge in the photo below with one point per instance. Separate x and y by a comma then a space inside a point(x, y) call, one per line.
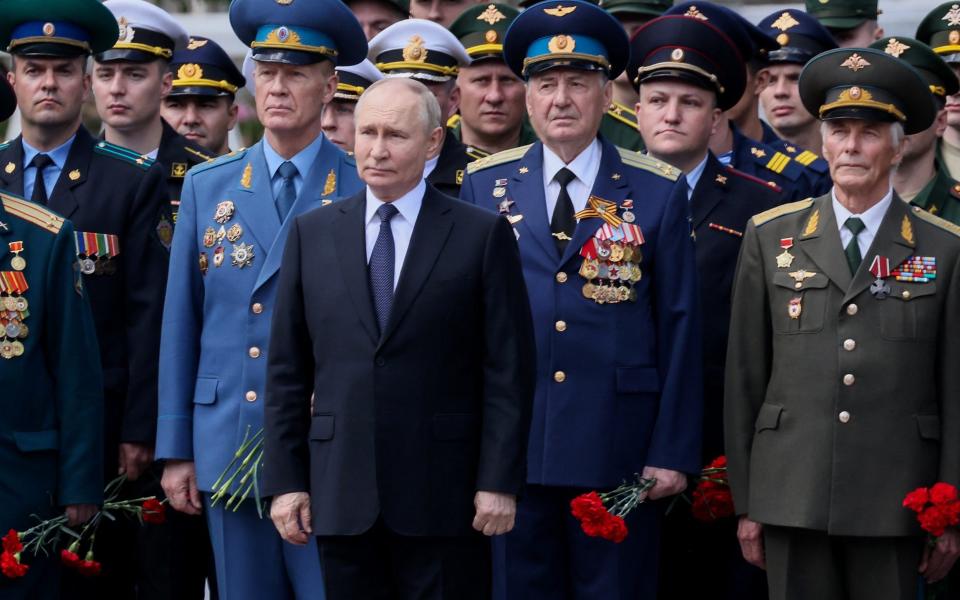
point(561, 43)
point(953, 16)
point(124, 31)
point(895, 47)
point(190, 71)
point(783, 39)
point(491, 15)
point(854, 93)
point(855, 63)
point(677, 55)
point(560, 10)
point(785, 22)
point(194, 44)
point(695, 13)
point(283, 35)
point(414, 51)
point(49, 29)
point(490, 36)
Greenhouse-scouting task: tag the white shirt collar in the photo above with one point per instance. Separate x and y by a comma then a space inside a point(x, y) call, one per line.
point(584, 166)
point(872, 217)
point(408, 205)
point(430, 165)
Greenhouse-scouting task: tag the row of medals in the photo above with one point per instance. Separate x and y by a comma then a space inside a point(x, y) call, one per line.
point(241, 255)
point(610, 279)
point(14, 311)
point(92, 264)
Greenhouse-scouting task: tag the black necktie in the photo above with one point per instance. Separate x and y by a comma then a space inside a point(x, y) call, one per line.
point(382, 266)
point(288, 192)
point(854, 258)
point(563, 221)
point(41, 162)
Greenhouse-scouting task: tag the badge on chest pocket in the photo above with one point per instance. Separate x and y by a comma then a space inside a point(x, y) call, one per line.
point(799, 301)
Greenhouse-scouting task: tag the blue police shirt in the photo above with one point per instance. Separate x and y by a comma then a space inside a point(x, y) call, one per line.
point(302, 160)
point(51, 174)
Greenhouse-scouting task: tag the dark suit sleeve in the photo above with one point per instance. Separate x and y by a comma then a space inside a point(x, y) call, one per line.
point(70, 343)
point(948, 358)
point(748, 364)
point(675, 443)
point(509, 365)
point(145, 277)
point(289, 381)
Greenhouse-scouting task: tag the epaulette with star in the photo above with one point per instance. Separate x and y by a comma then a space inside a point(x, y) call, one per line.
point(31, 212)
point(776, 161)
point(623, 114)
point(197, 153)
point(647, 163)
point(125, 154)
point(936, 221)
point(227, 158)
point(497, 159)
point(807, 159)
point(779, 211)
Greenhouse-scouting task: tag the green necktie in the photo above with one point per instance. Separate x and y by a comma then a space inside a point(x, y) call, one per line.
point(854, 258)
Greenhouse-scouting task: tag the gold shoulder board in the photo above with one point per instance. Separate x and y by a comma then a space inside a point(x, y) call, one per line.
point(642, 161)
point(33, 213)
point(497, 159)
point(936, 221)
point(779, 211)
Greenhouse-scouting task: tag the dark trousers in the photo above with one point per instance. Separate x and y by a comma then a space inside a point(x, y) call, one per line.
point(803, 564)
point(548, 557)
point(170, 561)
point(382, 565)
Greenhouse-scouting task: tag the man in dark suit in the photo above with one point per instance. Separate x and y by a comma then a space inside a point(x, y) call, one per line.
point(405, 312)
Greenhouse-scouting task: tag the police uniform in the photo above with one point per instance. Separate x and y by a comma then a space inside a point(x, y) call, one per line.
point(429, 53)
point(940, 30)
point(480, 30)
point(225, 256)
point(618, 384)
point(941, 195)
point(694, 52)
point(842, 387)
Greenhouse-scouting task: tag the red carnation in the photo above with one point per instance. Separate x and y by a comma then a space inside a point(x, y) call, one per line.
point(917, 499)
point(935, 519)
point(88, 568)
point(154, 511)
point(719, 462)
point(11, 542)
point(11, 566)
point(596, 520)
point(943, 493)
point(69, 559)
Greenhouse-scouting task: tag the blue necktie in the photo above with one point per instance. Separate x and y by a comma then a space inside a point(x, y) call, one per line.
point(381, 266)
point(288, 193)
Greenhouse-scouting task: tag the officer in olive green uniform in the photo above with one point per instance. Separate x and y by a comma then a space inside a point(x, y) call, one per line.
point(940, 30)
point(481, 29)
point(853, 23)
point(921, 179)
point(842, 391)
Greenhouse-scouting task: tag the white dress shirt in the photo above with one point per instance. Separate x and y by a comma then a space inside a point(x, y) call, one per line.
point(401, 225)
point(585, 166)
point(871, 218)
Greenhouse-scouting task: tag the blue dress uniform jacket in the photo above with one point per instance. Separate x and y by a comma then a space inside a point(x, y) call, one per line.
point(618, 385)
point(52, 401)
point(216, 322)
point(774, 166)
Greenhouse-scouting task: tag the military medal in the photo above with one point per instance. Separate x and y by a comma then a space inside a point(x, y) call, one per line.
point(17, 262)
point(880, 268)
point(589, 269)
point(221, 234)
point(218, 256)
point(209, 237)
point(785, 259)
point(794, 308)
point(504, 207)
point(242, 255)
point(499, 192)
point(204, 264)
point(6, 349)
point(224, 212)
point(234, 233)
point(627, 214)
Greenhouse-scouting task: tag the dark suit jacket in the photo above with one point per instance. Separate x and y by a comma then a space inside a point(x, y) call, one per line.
point(451, 166)
point(410, 424)
point(102, 193)
point(176, 156)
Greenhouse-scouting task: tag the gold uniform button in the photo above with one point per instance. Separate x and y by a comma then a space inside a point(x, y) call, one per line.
point(844, 416)
point(561, 326)
point(257, 308)
point(254, 352)
point(559, 376)
point(852, 309)
point(251, 396)
point(849, 379)
point(561, 277)
point(905, 295)
point(849, 345)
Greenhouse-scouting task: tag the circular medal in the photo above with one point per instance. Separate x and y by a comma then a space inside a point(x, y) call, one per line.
point(627, 253)
point(589, 289)
point(637, 275)
point(623, 293)
point(18, 263)
point(637, 255)
point(17, 348)
point(24, 331)
point(87, 266)
point(628, 216)
point(10, 303)
point(6, 349)
point(616, 252)
point(20, 304)
point(12, 329)
point(499, 192)
point(603, 250)
point(603, 270)
point(589, 268)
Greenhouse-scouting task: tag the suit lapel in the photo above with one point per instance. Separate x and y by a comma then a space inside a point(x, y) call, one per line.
point(894, 240)
point(11, 167)
point(350, 241)
point(430, 234)
point(74, 173)
point(702, 202)
point(819, 239)
point(253, 197)
point(526, 191)
point(610, 185)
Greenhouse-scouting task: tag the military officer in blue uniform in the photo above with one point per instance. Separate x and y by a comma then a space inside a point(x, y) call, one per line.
point(794, 131)
point(687, 72)
point(610, 268)
point(428, 52)
point(227, 248)
point(51, 436)
point(201, 104)
point(130, 80)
